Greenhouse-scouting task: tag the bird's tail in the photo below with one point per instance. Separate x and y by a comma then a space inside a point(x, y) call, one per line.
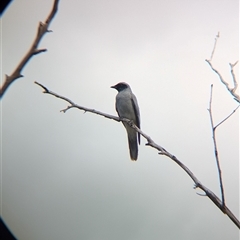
point(133, 146)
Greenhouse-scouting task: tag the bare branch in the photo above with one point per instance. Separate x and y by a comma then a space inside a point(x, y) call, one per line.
point(214, 47)
point(73, 105)
point(215, 149)
point(161, 150)
point(231, 90)
point(42, 29)
point(221, 204)
point(235, 84)
point(227, 117)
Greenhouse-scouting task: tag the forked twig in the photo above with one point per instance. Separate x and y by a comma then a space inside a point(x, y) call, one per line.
point(215, 148)
point(232, 90)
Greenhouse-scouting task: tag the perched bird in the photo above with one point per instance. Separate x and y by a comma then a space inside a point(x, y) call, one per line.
point(127, 107)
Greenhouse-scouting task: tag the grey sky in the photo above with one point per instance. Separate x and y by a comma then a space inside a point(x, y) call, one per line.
point(69, 176)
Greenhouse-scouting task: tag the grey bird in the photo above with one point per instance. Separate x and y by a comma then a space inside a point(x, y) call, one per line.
point(127, 107)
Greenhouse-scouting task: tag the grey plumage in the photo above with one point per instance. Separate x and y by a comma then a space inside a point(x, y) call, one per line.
point(127, 107)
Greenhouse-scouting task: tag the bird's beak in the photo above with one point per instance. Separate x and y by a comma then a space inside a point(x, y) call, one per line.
point(113, 87)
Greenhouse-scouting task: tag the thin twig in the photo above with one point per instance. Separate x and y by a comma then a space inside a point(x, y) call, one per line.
point(235, 83)
point(227, 117)
point(216, 150)
point(42, 29)
point(162, 151)
point(214, 47)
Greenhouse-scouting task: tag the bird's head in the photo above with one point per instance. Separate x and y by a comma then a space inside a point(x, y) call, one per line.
point(120, 86)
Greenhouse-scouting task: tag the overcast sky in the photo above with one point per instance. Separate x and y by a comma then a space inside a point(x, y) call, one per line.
point(69, 176)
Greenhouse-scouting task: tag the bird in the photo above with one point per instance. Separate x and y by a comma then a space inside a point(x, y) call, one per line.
point(127, 107)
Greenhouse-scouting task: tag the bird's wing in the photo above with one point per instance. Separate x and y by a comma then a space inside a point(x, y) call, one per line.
point(137, 113)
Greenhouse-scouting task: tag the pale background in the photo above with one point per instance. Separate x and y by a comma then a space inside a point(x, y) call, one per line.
point(69, 176)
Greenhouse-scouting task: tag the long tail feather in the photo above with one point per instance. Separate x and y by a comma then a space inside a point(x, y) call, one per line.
point(133, 146)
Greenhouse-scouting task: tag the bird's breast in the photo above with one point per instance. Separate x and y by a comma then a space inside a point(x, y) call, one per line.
point(124, 106)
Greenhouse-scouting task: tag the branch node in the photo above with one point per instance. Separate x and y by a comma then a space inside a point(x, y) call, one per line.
point(37, 51)
point(202, 194)
point(232, 65)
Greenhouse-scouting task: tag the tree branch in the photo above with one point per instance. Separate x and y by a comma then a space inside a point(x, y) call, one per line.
point(42, 29)
point(231, 90)
point(216, 150)
point(222, 205)
point(151, 143)
point(73, 105)
point(227, 117)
